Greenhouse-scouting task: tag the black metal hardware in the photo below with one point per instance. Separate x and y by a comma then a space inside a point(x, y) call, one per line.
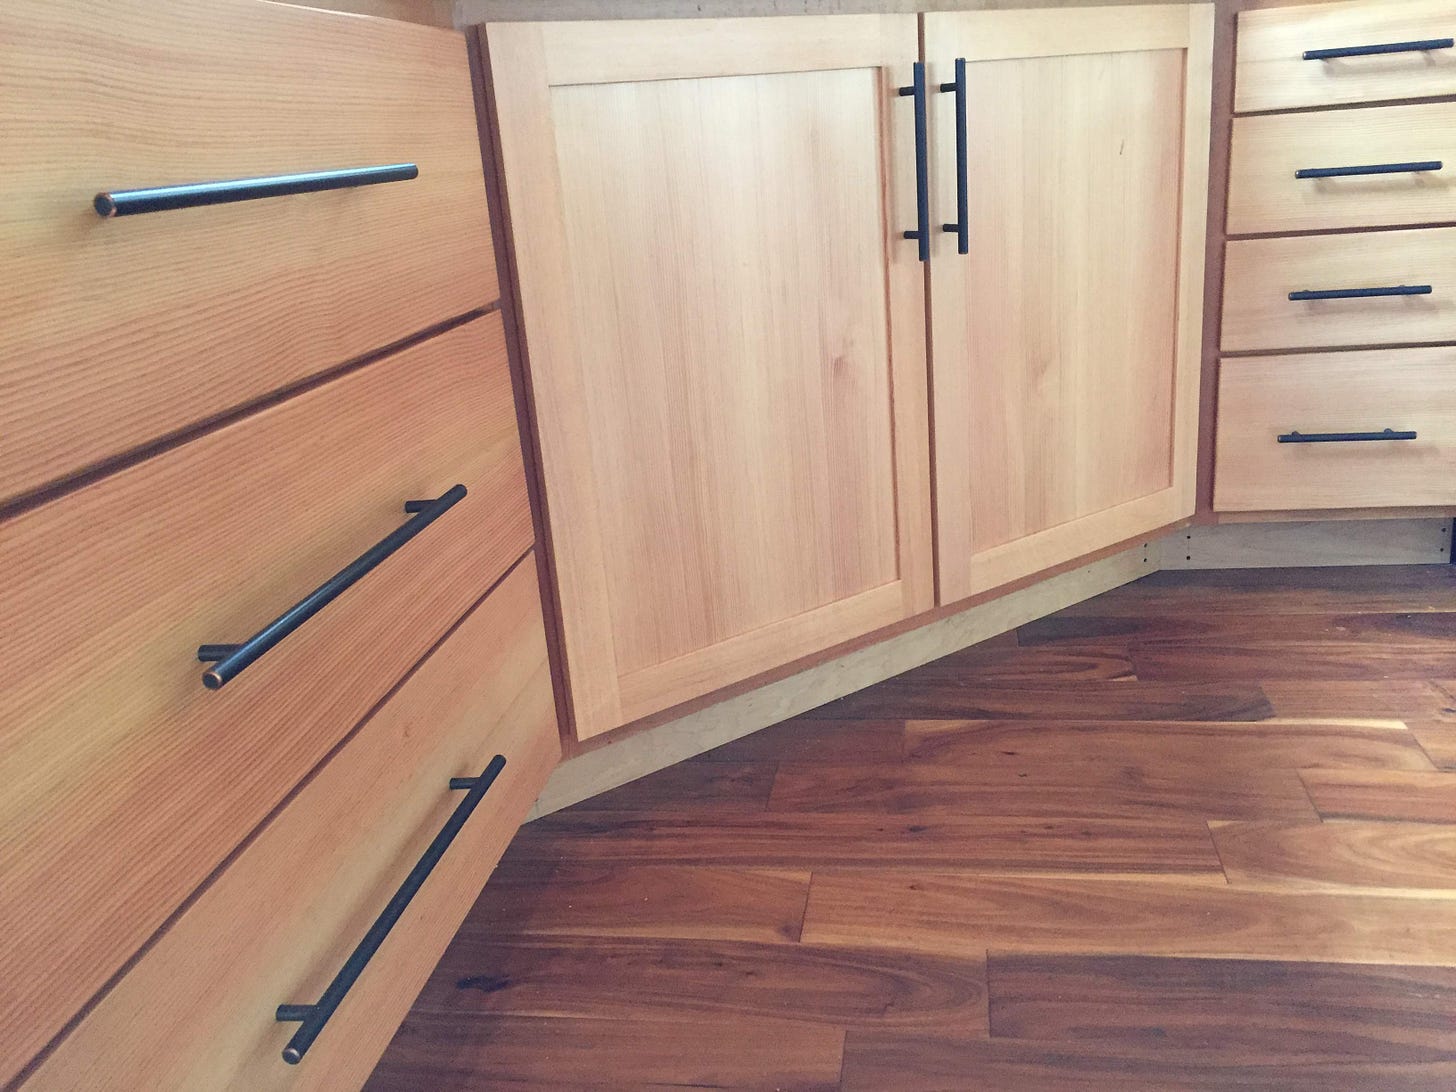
point(1378, 50)
point(230, 660)
point(312, 1018)
point(1361, 293)
point(1343, 437)
point(163, 198)
point(1420, 167)
point(962, 226)
point(922, 167)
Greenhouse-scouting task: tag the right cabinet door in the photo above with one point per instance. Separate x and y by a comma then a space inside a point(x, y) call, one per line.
point(1065, 342)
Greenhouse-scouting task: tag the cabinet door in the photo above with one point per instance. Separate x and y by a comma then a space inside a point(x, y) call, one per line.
point(1065, 344)
point(725, 336)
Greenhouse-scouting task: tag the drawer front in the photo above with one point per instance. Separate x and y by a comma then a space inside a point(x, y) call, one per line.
point(1266, 196)
point(126, 780)
point(1405, 390)
point(1366, 51)
point(1388, 287)
point(275, 927)
point(116, 332)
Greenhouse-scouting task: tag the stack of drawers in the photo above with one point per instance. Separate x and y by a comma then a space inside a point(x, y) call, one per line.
point(208, 413)
point(1339, 271)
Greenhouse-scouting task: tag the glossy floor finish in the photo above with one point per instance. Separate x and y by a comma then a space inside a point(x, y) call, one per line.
point(1195, 833)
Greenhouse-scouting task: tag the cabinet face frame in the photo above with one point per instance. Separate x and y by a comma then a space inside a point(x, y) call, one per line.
point(1011, 35)
point(527, 62)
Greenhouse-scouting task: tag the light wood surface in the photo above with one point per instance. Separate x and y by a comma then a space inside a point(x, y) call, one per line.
point(1265, 197)
point(1261, 273)
point(1273, 74)
point(1261, 398)
point(434, 13)
point(275, 927)
point(118, 332)
point(725, 336)
point(1065, 345)
point(488, 11)
point(1407, 541)
point(126, 781)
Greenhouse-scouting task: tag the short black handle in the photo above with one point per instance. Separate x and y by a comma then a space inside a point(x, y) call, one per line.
point(962, 226)
point(229, 660)
point(1361, 293)
point(164, 198)
point(1343, 437)
point(1376, 50)
point(922, 166)
point(312, 1018)
point(1424, 166)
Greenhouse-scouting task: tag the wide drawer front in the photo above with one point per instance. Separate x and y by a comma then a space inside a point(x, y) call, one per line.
point(1383, 167)
point(115, 332)
point(127, 780)
point(1328, 54)
point(1373, 429)
point(1388, 287)
point(284, 917)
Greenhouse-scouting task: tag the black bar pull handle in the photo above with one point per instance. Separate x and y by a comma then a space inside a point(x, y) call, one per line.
point(312, 1018)
point(962, 226)
point(1425, 46)
point(922, 167)
point(230, 660)
point(163, 198)
point(1424, 166)
point(1343, 437)
point(1361, 293)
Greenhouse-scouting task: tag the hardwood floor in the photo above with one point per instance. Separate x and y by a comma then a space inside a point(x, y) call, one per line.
point(1199, 832)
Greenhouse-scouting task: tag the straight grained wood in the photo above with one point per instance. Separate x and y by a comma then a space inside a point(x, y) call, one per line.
point(1129, 700)
point(1065, 347)
point(1309, 1012)
point(1031, 667)
point(1265, 195)
point(1383, 794)
point(463, 1053)
point(281, 919)
point(713, 981)
point(126, 780)
point(1415, 857)
point(1423, 631)
point(118, 332)
point(1210, 660)
point(946, 913)
point(1273, 74)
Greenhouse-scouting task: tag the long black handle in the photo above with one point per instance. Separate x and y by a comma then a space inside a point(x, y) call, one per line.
point(312, 1018)
point(922, 165)
point(163, 198)
point(962, 226)
point(1343, 437)
point(1423, 166)
point(1377, 50)
point(229, 660)
point(1361, 293)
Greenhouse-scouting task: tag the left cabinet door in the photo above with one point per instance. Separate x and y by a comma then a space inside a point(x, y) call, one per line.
point(725, 334)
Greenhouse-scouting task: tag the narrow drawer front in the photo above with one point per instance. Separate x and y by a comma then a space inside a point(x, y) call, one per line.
point(1366, 51)
point(1414, 145)
point(282, 919)
point(1341, 406)
point(127, 781)
point(114, 332)
point(1389, 287)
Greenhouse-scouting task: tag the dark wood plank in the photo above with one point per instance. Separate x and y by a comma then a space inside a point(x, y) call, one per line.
point(713, 786)
point(1377, 794)
point(456, 1052)
point(1214, 660)
point(1417, 857)
point(857, 740)
point(1074, 630)
point(1004, 666)
point(1380, 699)
point(906, 697)
point(1249, 1012)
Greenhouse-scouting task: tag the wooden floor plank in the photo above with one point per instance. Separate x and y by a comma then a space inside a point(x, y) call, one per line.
point(850, 740)
point(717, 787)
point(1424, 630)
point(1342, 854)
point(1388, 794)
point(1003, 666)
point(908, 698)
point(1397, 699)
point(1205, 661)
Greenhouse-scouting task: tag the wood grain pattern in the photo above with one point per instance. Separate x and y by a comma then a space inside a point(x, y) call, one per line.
point(1414, 857)
point(285, 914)
point(1383, 794)
point(127, 781)
point(119, 332)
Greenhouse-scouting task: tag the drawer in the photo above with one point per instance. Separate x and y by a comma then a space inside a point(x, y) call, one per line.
point(126, 780)
point(116, 332)
point(196, 1012)
point(1266, 196)
point(1384, 49)
point(1415, 271)
point(1404, 390)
